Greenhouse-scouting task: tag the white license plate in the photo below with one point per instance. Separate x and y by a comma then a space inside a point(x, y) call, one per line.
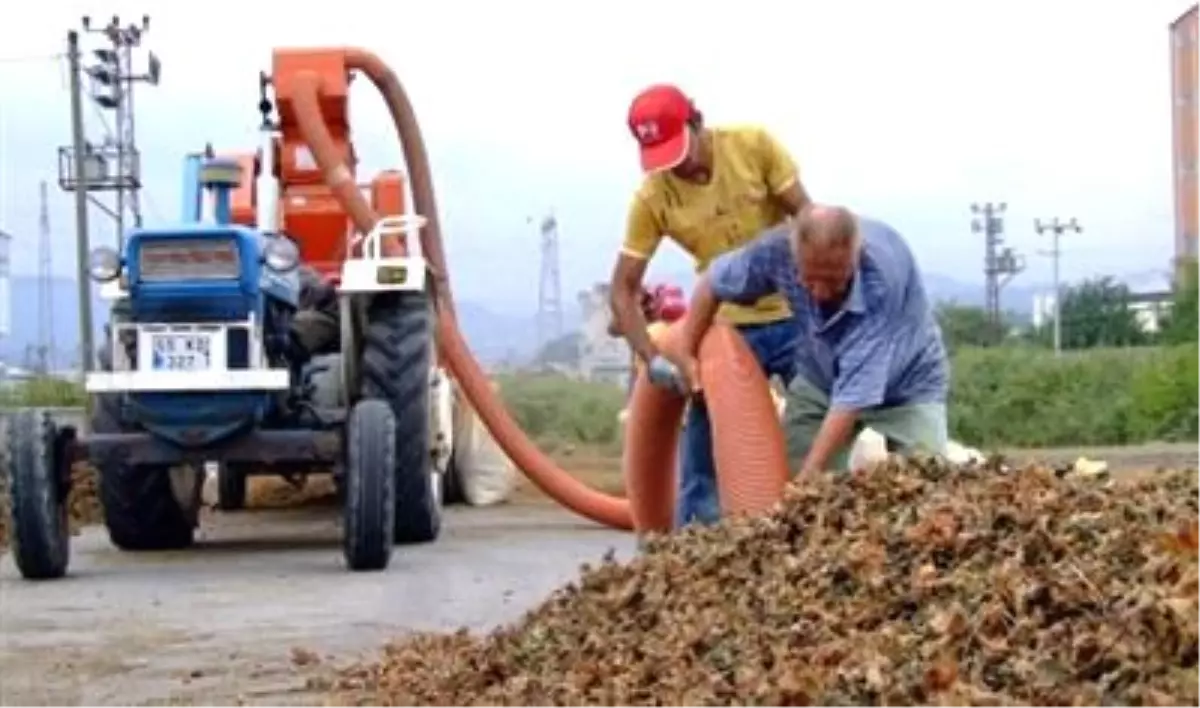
point(181, 352)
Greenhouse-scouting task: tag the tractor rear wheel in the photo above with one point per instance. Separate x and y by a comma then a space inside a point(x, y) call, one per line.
point(370, 486)
point(141, 511)
point(397, 356)
point(41, 531)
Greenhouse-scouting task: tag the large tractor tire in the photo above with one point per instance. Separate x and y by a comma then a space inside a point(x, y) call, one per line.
point(41, 540)
point(141, 511)
point(397, 353)
point(368, 532)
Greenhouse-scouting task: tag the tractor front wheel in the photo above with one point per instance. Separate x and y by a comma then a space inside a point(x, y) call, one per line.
point(370, 486)
point(41, 531)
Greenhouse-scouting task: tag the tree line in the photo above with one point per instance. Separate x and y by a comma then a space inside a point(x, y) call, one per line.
point(1096, 313)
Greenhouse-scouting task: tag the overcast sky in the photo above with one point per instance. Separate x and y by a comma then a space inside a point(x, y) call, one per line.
point(907, 111)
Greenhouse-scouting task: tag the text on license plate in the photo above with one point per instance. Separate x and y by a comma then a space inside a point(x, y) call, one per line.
point(181, 352)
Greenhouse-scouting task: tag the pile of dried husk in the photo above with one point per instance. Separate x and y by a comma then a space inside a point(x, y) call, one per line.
point(914, 583)
point(83, 502)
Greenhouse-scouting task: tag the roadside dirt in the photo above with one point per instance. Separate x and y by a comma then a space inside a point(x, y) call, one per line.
point(257, 609)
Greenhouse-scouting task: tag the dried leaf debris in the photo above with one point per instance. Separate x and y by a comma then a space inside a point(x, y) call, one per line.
point(916, 582)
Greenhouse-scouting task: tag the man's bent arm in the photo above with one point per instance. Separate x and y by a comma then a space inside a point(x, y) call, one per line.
point(643, 233)
point(626, 295)
point(755, 270)
point(794, 198)
point(781, 174)
point(701, 312)
point(861, 384)
point(834, 433)
point(742, 276)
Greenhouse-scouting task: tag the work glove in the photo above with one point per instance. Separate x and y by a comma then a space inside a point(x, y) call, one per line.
point(663, 373)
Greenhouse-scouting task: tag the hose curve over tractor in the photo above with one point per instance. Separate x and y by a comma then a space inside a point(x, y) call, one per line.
point(752, 465)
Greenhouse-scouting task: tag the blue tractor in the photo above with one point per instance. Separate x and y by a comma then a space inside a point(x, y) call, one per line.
point(201, 365)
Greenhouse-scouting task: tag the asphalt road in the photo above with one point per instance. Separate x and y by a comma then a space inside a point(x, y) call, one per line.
point(218, 623)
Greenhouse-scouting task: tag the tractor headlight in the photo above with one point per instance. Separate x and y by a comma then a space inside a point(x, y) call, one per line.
point(281, 255)
point(104, 264)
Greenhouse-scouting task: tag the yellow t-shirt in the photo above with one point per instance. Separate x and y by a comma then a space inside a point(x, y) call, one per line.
point(749, 167)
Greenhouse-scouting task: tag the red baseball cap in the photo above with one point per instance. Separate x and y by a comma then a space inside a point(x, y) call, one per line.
point(658, 120)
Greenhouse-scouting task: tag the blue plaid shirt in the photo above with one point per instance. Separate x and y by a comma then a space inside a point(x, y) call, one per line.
point(883, 347)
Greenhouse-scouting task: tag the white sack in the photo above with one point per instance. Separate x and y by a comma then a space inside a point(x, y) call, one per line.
point(485, 473)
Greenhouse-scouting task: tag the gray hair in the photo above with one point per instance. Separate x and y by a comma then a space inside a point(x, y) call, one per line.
point(826, 227)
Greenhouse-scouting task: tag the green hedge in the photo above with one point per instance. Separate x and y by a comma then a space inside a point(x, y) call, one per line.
point(555, 410)
point(43, 392)
point(1011, 396)
point(1000, 397)
point(1029, 397)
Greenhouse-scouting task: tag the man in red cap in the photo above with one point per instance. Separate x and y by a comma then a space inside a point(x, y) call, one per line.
point(710, 190)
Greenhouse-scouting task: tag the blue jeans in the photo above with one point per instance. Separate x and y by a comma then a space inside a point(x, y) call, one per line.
point(774, 345)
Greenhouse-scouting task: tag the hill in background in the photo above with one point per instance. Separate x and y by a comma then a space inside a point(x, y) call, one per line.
point(494, 336)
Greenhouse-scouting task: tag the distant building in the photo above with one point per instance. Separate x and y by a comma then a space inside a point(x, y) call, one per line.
point(1149, 308)
point(602, 357)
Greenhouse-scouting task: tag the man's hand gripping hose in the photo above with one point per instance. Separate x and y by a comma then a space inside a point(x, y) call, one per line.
point(665, 373)
point(750, 455)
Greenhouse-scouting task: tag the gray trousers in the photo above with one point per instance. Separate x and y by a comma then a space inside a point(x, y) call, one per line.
point(917, 427)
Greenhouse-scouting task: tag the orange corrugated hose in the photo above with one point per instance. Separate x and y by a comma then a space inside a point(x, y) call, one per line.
point(748, 443)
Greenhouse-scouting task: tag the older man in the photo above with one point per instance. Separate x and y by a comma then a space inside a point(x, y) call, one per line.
point(869, 350)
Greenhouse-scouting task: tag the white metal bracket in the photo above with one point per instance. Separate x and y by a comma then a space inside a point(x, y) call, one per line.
point(373, 273)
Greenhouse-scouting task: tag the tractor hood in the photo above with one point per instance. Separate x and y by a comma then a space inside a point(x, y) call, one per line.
point(193, 272)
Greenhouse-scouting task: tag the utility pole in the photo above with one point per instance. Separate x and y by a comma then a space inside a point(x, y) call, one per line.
point(45, 281)
point(1001, 264)
point(1056, 227)
point(114, 164)
point(79, 182)
point(112, 90)
point(550, 311)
